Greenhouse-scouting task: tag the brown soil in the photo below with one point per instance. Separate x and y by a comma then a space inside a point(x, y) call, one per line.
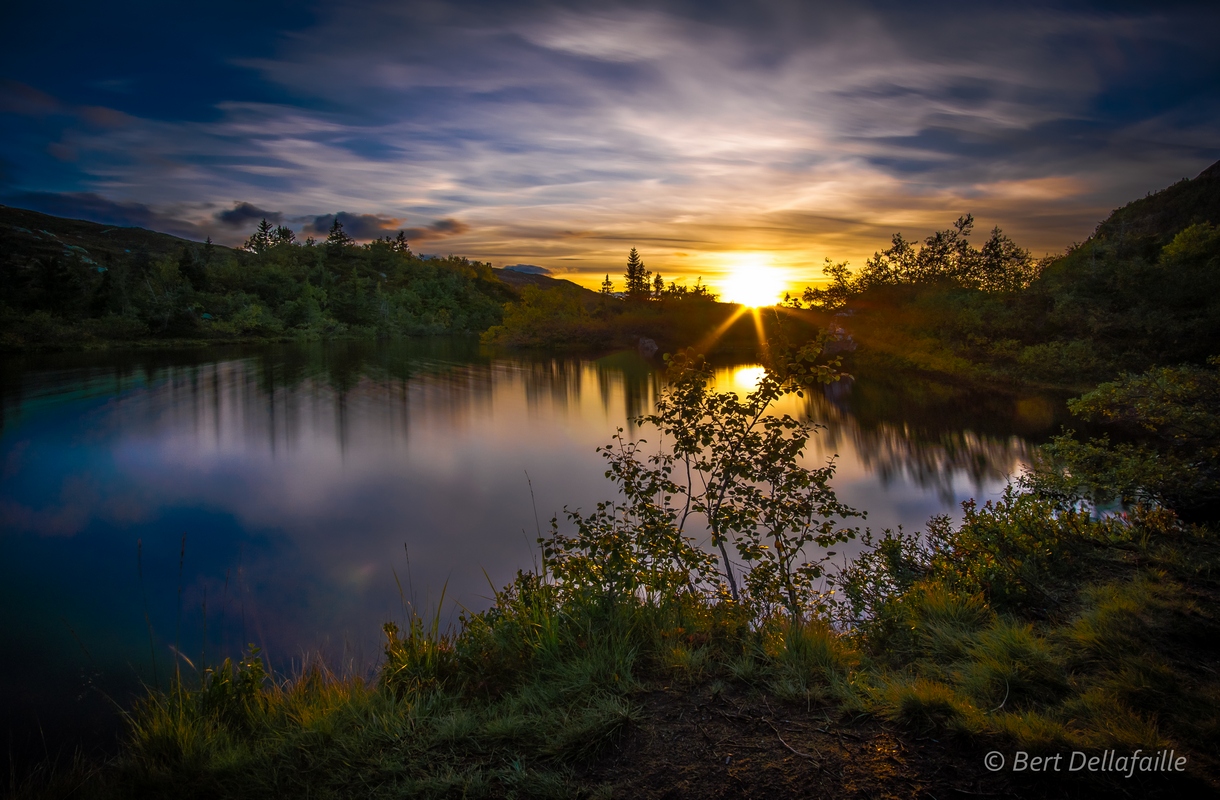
point(692, 745)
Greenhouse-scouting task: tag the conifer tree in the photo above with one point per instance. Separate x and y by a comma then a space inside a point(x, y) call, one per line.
point(260, 240)
point(400, 243)
point(658, 286)
point(607, 285)
point(338, 239)
point(637, 277)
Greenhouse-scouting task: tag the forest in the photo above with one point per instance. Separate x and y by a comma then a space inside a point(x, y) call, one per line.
point(59, 293)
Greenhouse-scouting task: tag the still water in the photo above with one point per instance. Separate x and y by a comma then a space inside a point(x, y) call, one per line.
point(170, 507)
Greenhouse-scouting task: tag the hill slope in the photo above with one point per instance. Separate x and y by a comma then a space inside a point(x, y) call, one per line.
point(71, 283)
point(1151, 222)
point(27, 235)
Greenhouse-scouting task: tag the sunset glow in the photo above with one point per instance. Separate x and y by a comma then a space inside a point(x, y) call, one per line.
point(560, 137)
point(753, 282)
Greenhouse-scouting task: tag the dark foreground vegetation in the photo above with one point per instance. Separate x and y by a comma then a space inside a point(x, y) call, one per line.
point(635, 663)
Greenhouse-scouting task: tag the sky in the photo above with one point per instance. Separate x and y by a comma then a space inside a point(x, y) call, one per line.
point(709, 135)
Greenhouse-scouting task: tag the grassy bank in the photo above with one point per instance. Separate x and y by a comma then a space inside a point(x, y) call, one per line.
point(1112, 647)
point(637, 663)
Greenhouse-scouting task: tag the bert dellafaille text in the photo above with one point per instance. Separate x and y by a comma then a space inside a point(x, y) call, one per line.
point(1108, 761)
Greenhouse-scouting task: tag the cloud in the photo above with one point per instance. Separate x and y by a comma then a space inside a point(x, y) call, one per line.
point(18, 98)
point(561, 133)
point(372, 226)
point(441, 229)
point(242, 214)
point(103, 117)
point(357, 226)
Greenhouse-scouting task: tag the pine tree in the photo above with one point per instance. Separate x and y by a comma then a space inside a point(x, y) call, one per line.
point(400, 243)
point(283, 235)
point(607, 286)
point(637, 277)
point(260, 240)
point(658, 286)
point(338, 239)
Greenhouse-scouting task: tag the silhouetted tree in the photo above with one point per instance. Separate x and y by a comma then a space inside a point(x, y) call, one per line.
point(260, 240)
point(338, 239)
point(607, 285)
point(637, 277)
point(283, 235)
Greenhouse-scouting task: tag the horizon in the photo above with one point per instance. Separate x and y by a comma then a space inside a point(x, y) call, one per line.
point(721, 142)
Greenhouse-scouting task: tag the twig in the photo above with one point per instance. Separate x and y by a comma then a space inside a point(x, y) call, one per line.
point(790, 747)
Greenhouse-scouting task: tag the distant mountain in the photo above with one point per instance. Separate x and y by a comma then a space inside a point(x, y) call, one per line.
point(528, 269)
point(519, 280)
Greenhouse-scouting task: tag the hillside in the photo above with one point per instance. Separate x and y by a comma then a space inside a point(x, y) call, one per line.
point(520, 280)
point(1151, 222)
point(1142, 291)
point(27, 235)
point(71, 283)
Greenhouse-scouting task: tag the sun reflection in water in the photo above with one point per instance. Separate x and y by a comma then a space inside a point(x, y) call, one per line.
point(746, 378)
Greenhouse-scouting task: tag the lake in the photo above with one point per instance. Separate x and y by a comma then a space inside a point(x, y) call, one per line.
point(163, 508)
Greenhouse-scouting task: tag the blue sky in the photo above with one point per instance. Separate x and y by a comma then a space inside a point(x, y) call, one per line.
point(562, 134)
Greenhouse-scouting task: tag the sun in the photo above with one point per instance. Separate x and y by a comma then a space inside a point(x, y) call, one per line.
point(752, 282)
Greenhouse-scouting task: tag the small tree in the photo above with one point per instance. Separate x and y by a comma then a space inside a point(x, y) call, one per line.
point(658, 286)
point(730, 462)
point(607, 285)
point(701, 292)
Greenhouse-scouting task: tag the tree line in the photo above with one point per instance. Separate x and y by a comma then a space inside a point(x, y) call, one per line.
point(275, 286)
point(641, 284)
point(1124, 300)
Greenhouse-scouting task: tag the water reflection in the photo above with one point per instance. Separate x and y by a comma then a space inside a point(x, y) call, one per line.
point(932, 449)
point(309, 481)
